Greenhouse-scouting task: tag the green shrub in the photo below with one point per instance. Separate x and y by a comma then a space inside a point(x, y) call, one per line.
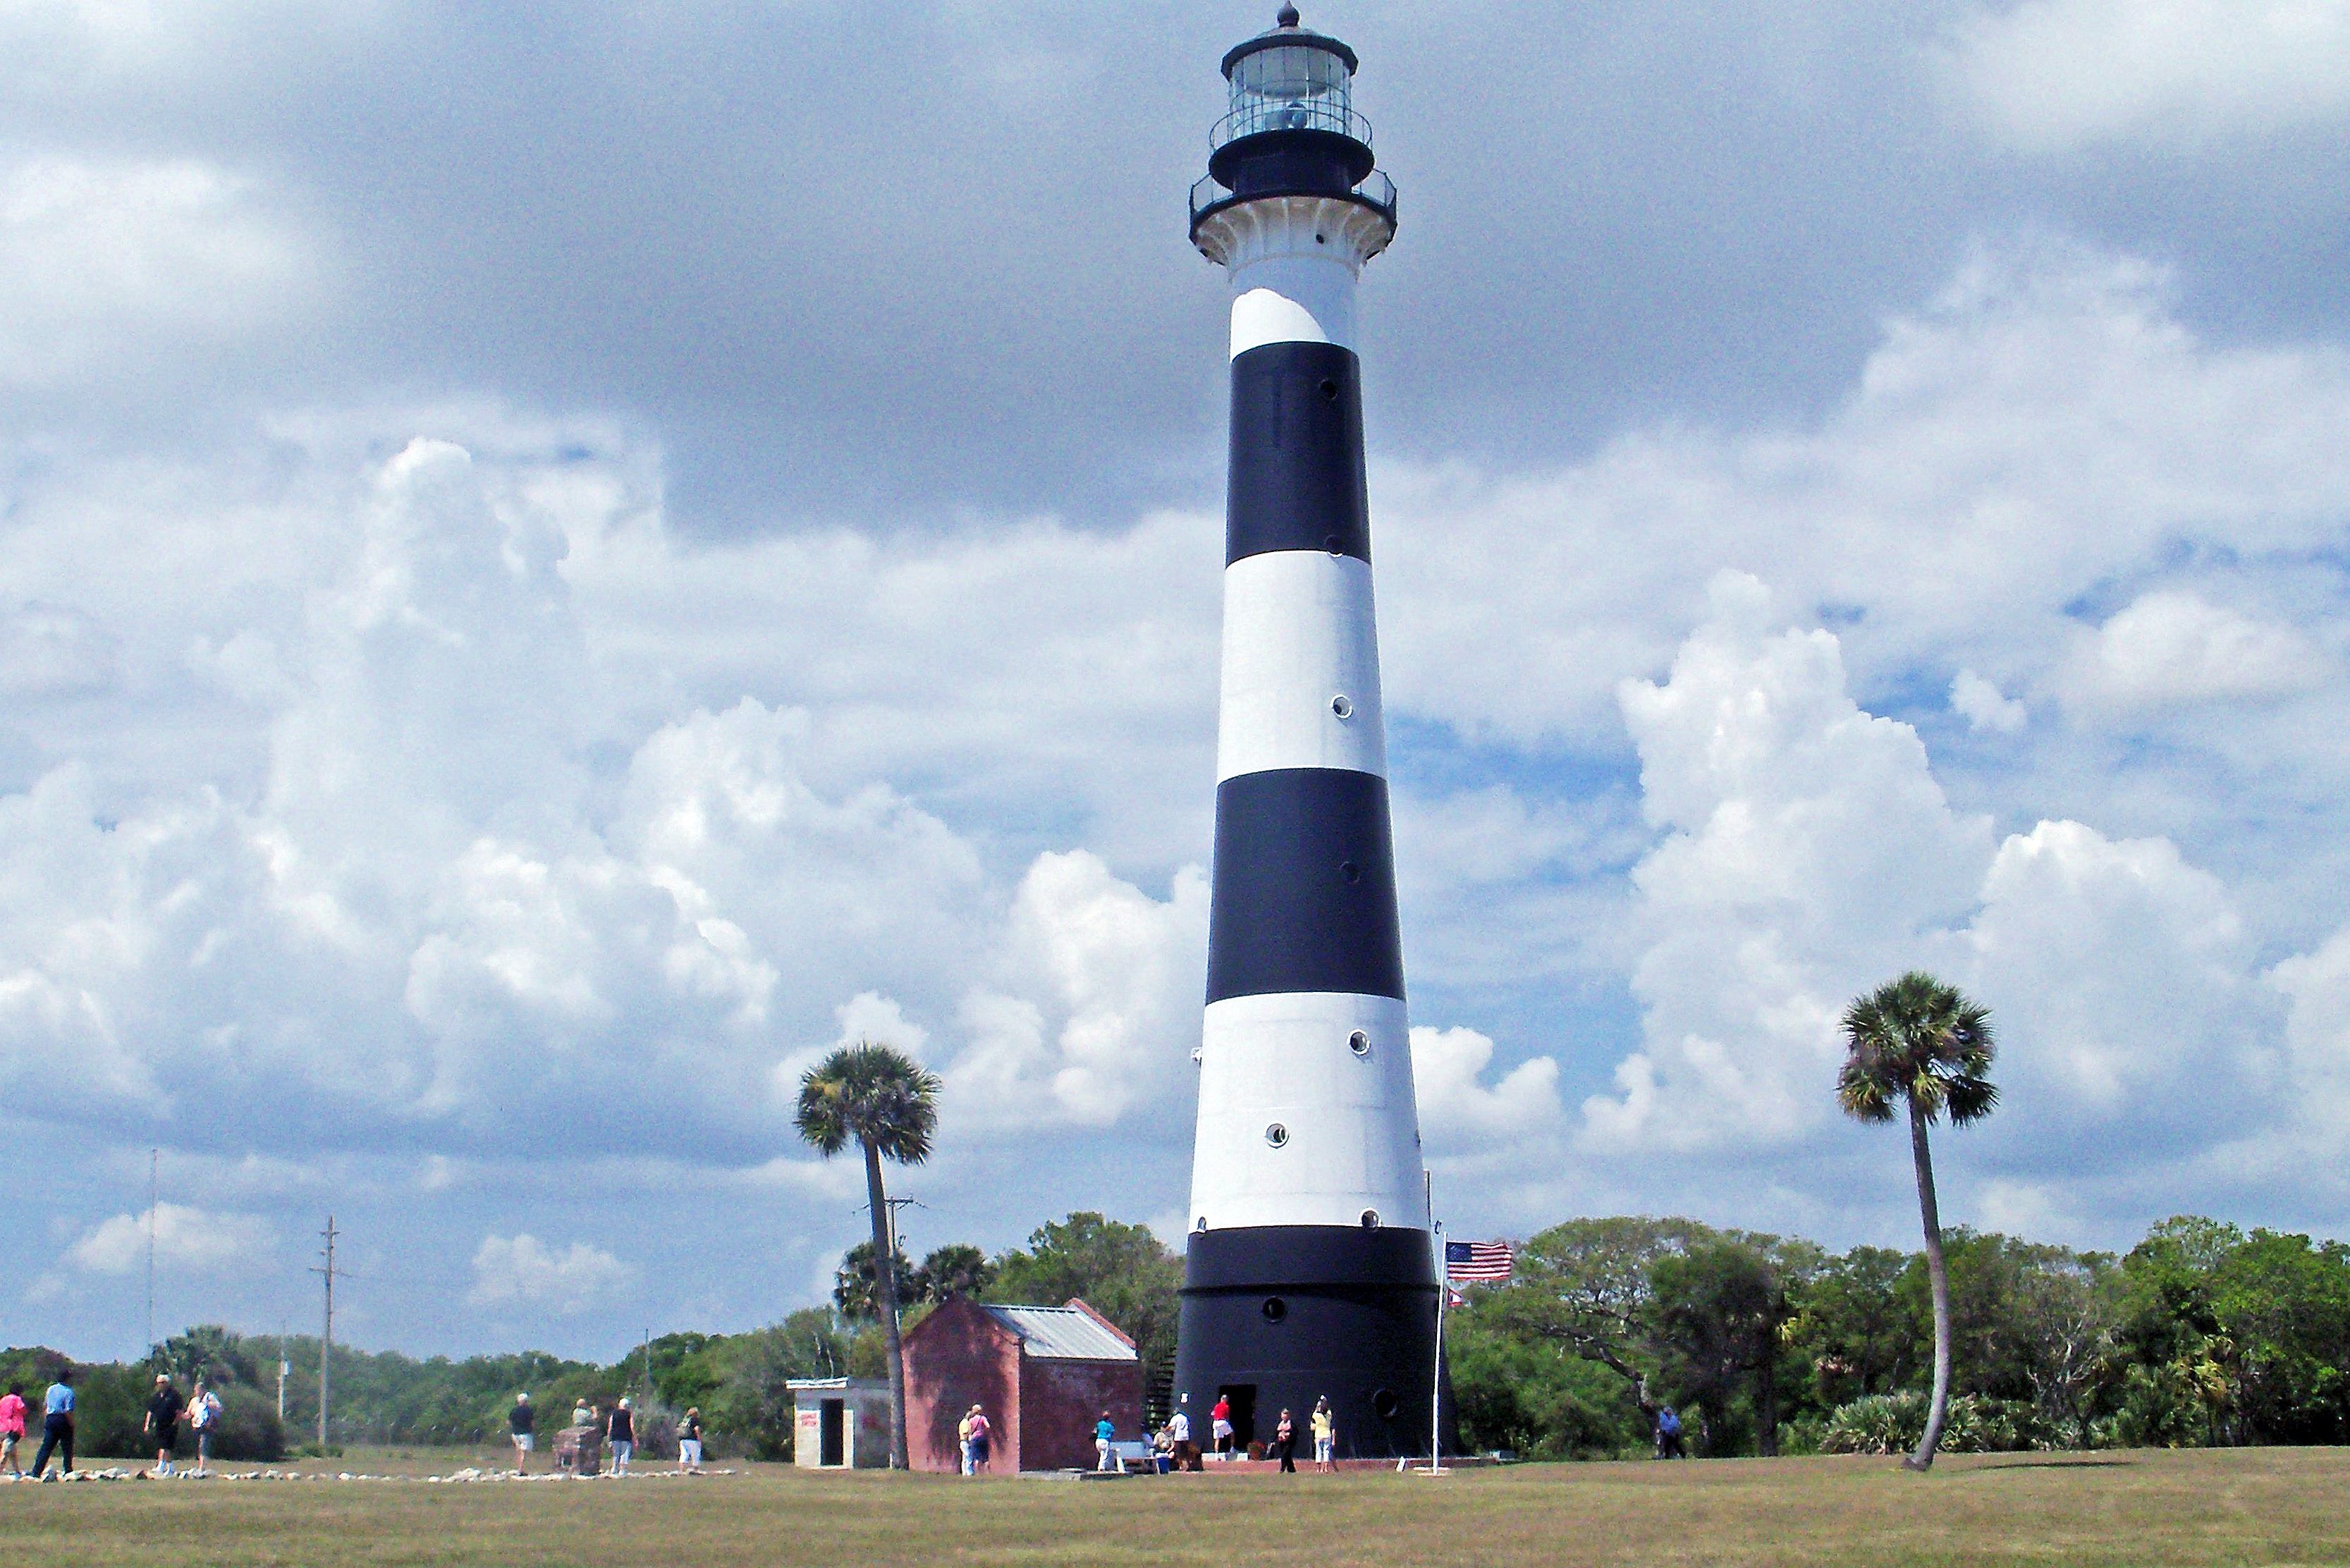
point(1896, 1423)
point(249, 1427)
point(1801, 1437)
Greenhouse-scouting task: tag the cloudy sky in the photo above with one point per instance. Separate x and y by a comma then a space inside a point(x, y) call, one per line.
point(554, 566)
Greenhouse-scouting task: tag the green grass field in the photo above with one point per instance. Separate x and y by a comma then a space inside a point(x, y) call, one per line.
point(2138, 1510)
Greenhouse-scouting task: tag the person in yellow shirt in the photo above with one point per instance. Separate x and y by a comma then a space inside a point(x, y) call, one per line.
point(1325, 1434)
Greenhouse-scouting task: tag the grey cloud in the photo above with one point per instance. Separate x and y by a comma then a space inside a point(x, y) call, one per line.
point(901, 263)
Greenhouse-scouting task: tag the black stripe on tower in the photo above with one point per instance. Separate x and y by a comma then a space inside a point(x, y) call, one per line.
point(1305, 891)
point(1297, 478)
point(1281, 1316)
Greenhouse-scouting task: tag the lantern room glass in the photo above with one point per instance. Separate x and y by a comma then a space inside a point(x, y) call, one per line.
point(1290, 87)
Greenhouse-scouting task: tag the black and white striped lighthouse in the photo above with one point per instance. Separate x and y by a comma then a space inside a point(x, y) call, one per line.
point(1308, 1273)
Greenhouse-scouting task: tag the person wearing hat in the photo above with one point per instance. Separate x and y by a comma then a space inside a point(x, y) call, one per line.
point(163, 1424)
point(522, 1425)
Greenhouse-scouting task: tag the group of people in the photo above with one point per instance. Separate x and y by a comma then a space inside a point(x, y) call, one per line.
point(1171, 1446)
point(56, 1427)
point(974, 1433)
point(619, 1430)
point(166, 1409)
point(1323, 1423)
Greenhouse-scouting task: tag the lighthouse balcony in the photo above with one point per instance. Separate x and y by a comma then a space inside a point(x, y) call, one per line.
point(1210, 196)
point(1260, 116)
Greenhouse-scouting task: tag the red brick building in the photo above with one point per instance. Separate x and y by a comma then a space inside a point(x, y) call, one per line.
point(1044, 1374)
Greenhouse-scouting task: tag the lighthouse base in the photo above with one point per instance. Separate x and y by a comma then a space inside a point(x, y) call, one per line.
point(1277, 1316)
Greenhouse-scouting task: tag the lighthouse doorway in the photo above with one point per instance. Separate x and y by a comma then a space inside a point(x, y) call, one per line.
point(1242, 1397)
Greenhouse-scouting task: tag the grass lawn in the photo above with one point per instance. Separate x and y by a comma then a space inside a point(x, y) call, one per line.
point(2134, 1510)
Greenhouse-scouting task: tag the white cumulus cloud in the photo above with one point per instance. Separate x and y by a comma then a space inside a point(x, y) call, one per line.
point(2317, 1032)
point(1459, 1110)
point(185, 1238)
point(1810, 854)
point(1808, 847)
point(523, 1271)
point(2117, 972)
point(2172, 647)
point(1984, 706)
point(1107, 1005)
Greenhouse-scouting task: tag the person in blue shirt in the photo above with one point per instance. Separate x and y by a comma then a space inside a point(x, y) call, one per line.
point(56, 1424)
point(1668, 1435)
point(1105, 1434)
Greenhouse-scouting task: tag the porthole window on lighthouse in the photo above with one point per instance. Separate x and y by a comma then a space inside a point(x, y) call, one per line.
point(1351, 872)
point(1277, 1135)
point(1360, 1043)
point(1343, 705)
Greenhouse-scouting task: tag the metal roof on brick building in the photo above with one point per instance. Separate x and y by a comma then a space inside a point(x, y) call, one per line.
point(1063, 1334)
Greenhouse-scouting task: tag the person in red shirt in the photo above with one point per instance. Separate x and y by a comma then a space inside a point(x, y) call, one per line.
point(12, 1428)
point(1219, 1425)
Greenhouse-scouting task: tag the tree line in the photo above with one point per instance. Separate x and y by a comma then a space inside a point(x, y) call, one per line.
point(738, 1381)
point(2203, 1333)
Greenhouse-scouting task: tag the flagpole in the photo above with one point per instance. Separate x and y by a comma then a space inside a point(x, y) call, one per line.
point(1443, 1289)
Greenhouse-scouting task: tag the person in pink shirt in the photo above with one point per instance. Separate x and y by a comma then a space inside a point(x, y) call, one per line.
point(12, 1428)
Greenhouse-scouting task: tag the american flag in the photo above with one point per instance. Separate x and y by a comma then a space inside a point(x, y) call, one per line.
point(1478, 1263)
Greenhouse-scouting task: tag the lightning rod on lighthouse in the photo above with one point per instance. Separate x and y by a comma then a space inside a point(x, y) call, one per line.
point(1307, 1272)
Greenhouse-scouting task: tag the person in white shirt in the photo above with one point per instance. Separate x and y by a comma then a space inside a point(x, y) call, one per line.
point(205, 1419)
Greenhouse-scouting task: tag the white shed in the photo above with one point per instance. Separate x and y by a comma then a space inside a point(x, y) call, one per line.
point(840, 1423)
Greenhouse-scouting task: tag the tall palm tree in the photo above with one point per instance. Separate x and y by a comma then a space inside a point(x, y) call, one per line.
point(885, 1102)
point(1919, 1041)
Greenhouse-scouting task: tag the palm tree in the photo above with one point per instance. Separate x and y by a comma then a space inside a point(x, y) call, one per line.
point(1919, 1041)
point(889, 1106)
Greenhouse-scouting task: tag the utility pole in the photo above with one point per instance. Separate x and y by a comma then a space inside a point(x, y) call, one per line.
point(326, 1342)
point(893, 1205)
point(154, 1187)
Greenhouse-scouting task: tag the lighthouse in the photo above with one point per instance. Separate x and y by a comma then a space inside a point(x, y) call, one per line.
point(1307, 1272)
